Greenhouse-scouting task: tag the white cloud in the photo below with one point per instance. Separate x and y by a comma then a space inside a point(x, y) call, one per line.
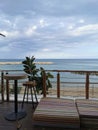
point(70, 27)
point(46, 49)
point(31, 30)
point(81, 21)
point(42, 22)
point(86, 29)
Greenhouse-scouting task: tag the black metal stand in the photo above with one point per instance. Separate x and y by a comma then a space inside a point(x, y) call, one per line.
point(16, 115)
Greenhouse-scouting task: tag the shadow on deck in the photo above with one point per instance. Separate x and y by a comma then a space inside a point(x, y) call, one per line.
point(26, 122)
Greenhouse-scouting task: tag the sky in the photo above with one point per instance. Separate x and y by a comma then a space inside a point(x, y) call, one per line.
point(60, 29)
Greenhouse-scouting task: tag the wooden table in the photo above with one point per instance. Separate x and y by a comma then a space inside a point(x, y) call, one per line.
point(16, 114)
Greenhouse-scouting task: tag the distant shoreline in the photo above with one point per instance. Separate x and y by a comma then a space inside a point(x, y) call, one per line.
point(18, 63)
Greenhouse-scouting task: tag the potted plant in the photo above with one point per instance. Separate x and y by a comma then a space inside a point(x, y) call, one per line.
point(36, 74)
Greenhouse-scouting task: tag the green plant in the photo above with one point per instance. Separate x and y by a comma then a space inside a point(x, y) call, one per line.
point(30, 67)
point(36, 74)
point(40, 80)
point(11, 90)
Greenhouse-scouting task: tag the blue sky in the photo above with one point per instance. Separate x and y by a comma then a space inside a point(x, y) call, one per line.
point(49, 28)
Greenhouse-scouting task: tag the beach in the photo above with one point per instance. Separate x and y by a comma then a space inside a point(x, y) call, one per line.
point(72, 92)
point(75, 92)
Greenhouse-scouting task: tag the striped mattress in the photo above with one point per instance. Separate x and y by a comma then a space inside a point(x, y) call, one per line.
point(88, 111)
point(56, 112)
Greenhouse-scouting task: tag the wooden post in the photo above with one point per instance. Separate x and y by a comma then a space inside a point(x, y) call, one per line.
point(7, 89)
point(87, 86)
point(44, 84)
point(2, 86)
point(58, 85)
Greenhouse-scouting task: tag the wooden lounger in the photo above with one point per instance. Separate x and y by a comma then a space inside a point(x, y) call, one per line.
point(55, 112)
point(88, 111)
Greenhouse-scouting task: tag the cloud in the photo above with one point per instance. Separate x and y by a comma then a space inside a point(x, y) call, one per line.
point(86, 29)
point(49, 28)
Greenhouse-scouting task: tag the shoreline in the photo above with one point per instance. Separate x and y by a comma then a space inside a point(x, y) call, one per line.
point(75, 92)
point(18, 63)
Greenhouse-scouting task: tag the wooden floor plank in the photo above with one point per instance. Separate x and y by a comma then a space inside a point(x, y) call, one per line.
point(26, 123)
point(12, 125)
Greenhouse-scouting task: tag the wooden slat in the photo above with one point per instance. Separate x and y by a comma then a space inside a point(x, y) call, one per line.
point(27, 122)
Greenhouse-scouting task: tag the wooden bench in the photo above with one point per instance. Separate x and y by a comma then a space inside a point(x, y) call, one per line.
point(56, 112)
point(88, 112)
point(67, 113)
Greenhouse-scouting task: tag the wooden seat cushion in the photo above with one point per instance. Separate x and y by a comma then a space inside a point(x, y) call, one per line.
point(56, 112)
point(88, 111)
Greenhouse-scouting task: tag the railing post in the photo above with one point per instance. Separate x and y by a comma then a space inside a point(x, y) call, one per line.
point(87, 86)
point(2, 86)
point(7, 89)
point(58, 85)
point(44, 84)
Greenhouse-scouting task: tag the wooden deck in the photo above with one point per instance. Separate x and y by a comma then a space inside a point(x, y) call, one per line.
point(26, 123)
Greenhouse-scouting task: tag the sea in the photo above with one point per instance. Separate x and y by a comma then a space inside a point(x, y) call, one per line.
point(56, 64)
